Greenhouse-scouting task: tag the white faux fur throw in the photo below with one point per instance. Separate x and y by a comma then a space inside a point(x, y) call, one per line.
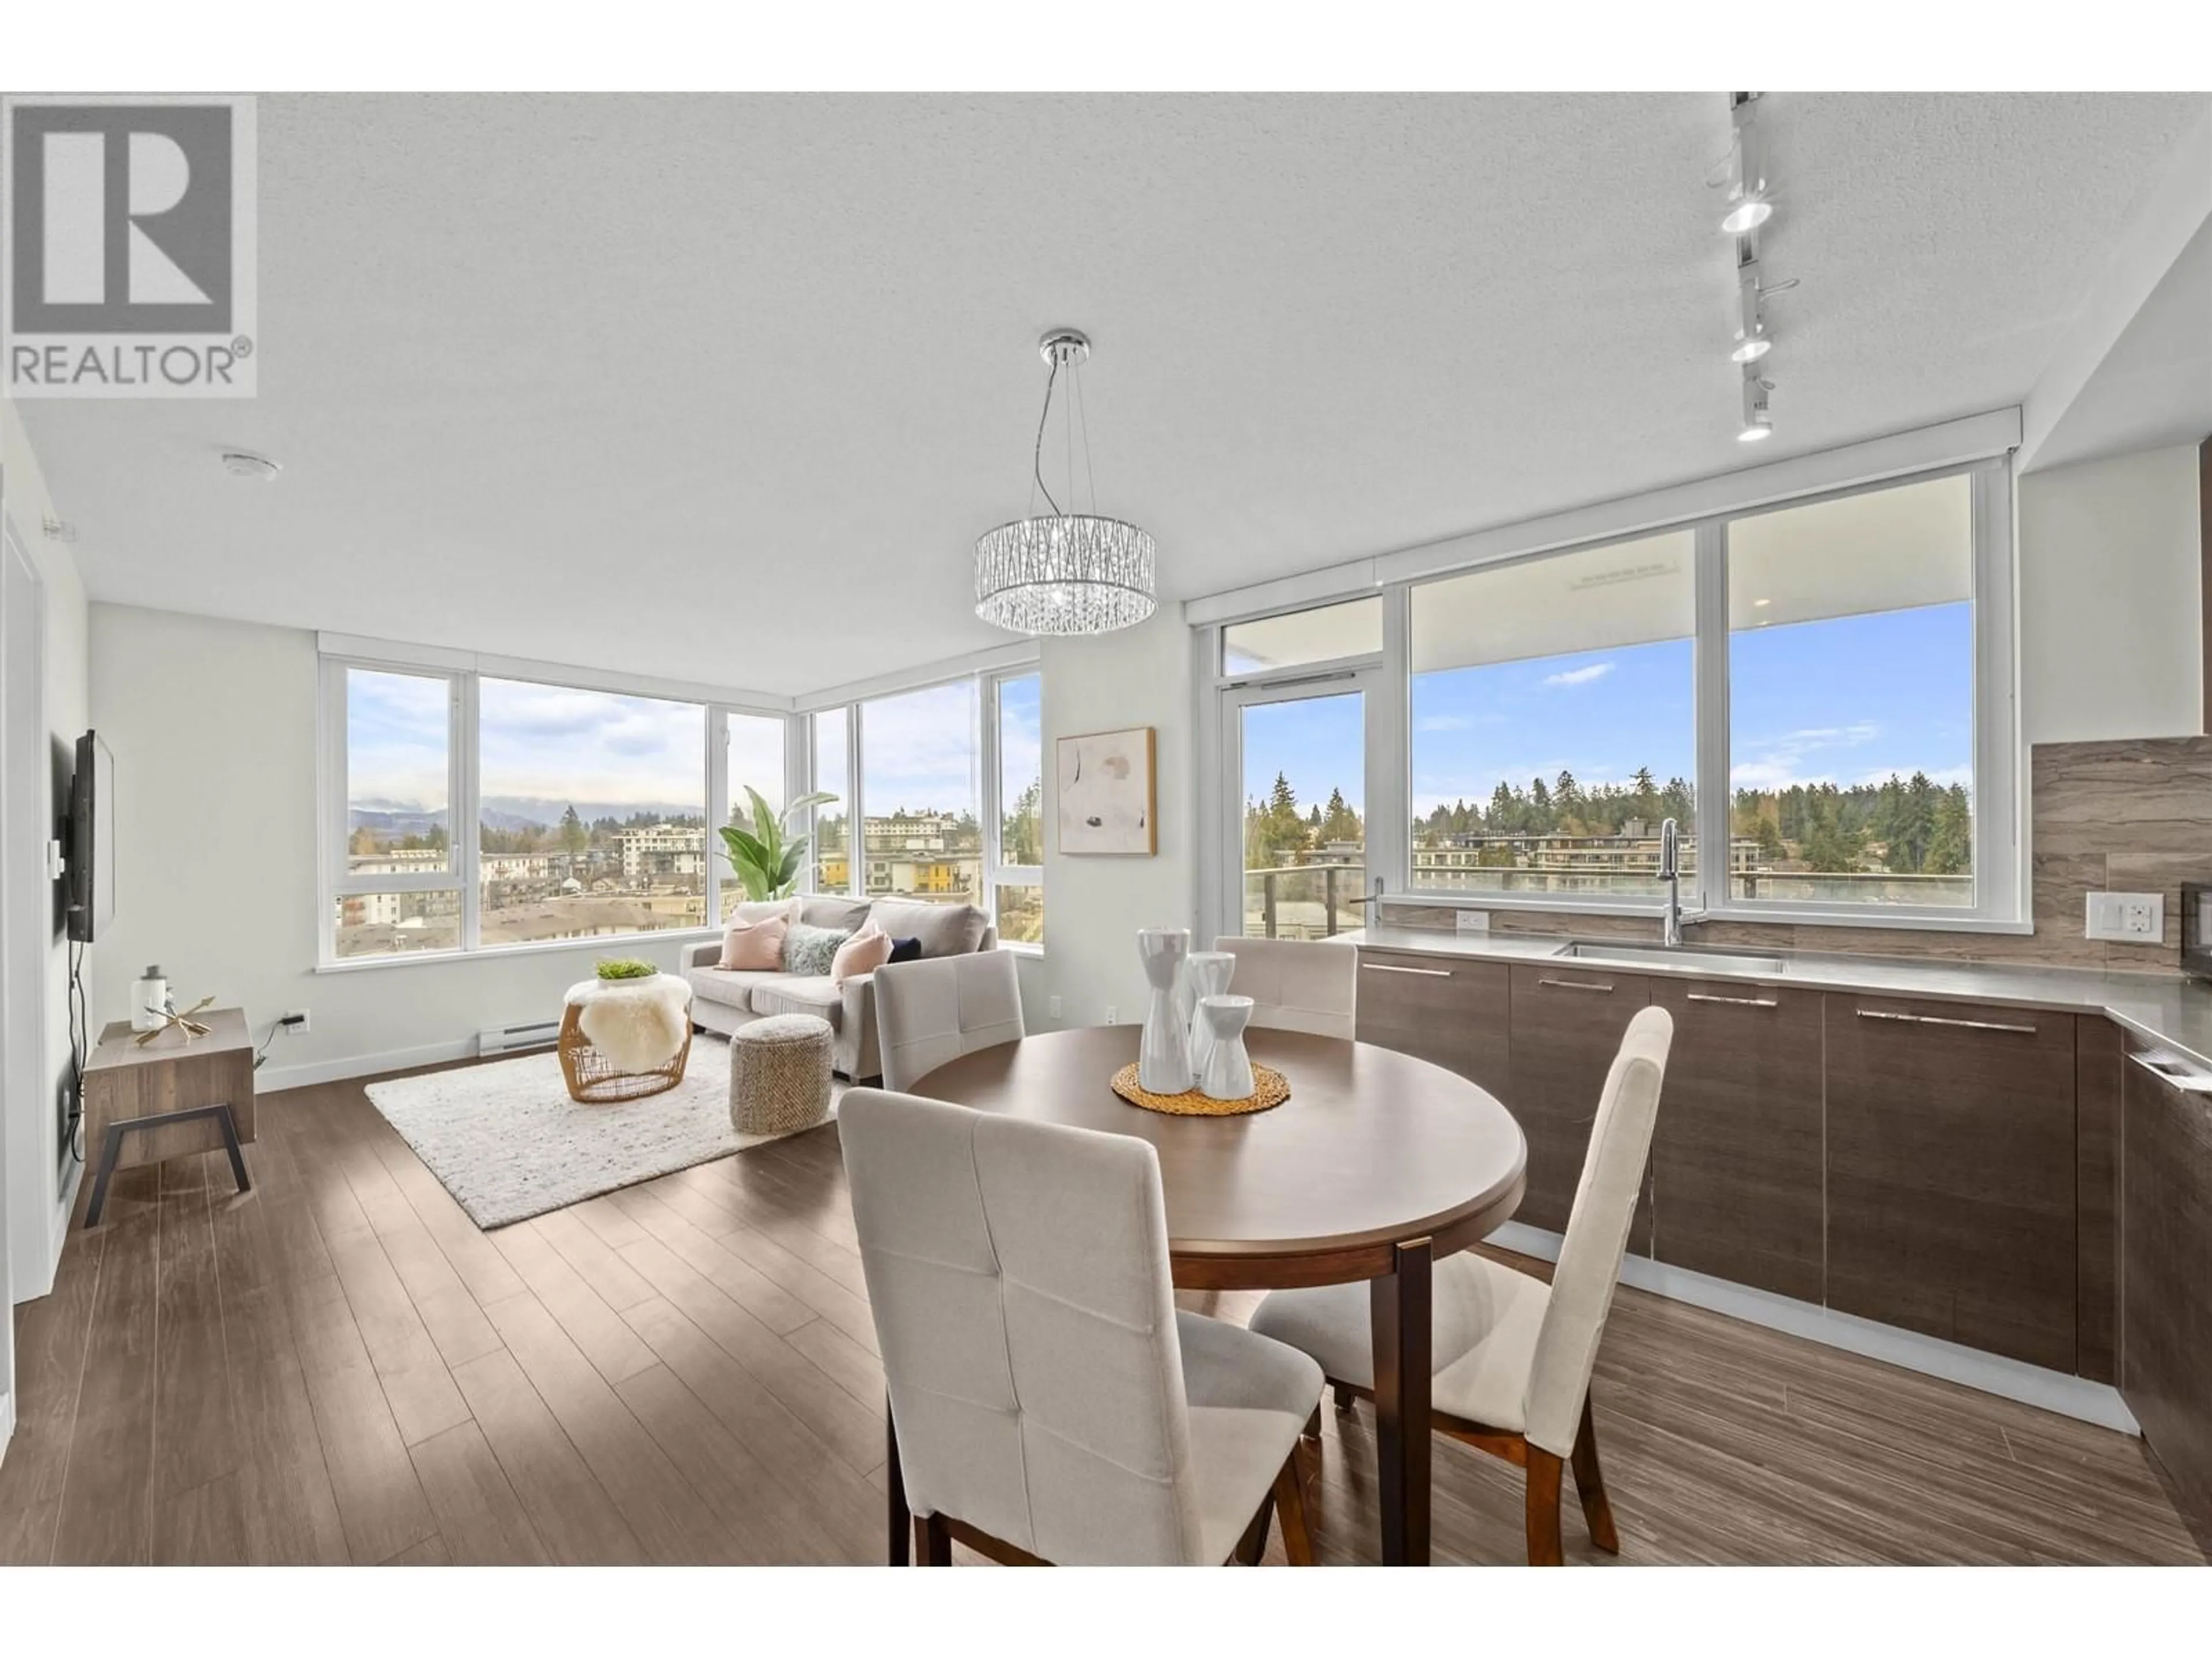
point(637, 1024)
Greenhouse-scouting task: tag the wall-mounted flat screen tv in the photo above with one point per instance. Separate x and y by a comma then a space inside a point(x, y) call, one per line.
point(91, 854)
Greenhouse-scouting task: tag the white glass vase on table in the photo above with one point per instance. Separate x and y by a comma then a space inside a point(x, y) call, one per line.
point(1164, 1057)
point(1228, 1074)
point(1205, 973)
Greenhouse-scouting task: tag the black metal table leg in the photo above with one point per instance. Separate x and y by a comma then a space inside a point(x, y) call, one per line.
point(112, 1149)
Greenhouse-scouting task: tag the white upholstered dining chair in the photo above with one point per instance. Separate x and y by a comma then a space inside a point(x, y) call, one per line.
point(932, 1011)
point(1513, 1354)
point(1051, 1403)
point(1297, 984)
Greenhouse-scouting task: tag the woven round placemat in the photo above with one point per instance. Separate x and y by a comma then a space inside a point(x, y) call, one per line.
point(1274, 1089)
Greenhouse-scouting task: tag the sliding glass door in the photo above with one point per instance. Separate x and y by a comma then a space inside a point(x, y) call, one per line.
point(1299, 762)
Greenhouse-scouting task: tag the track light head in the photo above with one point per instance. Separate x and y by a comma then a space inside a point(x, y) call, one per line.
point(1749, 205)
point(1757, 423)
point(1751, 338)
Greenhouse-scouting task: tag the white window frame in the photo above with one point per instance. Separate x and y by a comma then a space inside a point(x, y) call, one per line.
point(1980, 448)
point(462, 672)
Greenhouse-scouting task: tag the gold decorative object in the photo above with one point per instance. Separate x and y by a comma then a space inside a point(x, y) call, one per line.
point(172, 1020)
point(1274, 1090)
point(593, 1080)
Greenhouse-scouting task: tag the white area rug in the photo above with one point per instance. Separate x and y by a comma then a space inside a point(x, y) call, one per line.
point(509, 1144)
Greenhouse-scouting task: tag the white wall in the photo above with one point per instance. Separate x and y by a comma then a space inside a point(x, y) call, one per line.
point(33, 1138)
point(2111, 571)
point(1094, 906)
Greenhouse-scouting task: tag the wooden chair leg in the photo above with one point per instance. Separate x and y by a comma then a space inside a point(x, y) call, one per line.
point(932, 1544)
point(1291, 1505)
point(1313, 1424)
point(1589, 1485)
point(1345, 1398)
point(1544, 1469)
point(1254, 1544)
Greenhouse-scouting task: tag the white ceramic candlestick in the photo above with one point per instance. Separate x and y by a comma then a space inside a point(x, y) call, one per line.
point(1205, 973)
point(1228, 1067)
point(1163, 1058)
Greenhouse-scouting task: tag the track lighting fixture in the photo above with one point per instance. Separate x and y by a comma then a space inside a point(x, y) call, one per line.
point(1748, 204)
point(1757, 423)
point(1752, 340)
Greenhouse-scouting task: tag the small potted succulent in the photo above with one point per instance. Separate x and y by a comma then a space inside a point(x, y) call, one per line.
point(626, 968)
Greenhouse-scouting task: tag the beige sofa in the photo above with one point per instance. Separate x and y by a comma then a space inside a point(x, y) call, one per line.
point(723, 1001)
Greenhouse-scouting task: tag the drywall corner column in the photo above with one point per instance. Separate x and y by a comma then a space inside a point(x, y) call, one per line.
point(1094, 906)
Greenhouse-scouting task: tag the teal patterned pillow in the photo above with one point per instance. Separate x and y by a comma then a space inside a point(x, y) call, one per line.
point(810, 951)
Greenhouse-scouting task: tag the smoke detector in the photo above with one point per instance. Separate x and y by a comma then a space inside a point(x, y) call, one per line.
point(244, 463)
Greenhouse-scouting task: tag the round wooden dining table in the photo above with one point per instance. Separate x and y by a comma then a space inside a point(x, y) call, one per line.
point(1377, 1165)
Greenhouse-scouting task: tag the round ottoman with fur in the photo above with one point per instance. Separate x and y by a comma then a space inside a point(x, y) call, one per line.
point(623, 1039)
point(780, 1075)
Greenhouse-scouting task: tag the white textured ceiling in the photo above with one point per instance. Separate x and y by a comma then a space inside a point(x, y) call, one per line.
point(2154, 386)
point(724, 388)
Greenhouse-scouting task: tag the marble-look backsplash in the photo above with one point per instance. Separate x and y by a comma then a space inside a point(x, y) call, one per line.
point(2133, 817)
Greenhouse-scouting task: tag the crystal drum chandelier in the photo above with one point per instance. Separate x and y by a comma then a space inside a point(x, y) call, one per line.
point(1064, 573)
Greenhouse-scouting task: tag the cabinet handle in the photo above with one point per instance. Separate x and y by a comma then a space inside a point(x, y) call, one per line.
point(1938, 1020)
point(1573, 984)
point(2186, 1079)
point(1392, 968)
point(1735, 1002)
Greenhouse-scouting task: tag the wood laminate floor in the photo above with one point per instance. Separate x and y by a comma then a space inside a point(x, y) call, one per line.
point(339, 1367)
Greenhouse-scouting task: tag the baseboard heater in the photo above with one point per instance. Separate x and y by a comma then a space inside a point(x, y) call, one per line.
point(505, 1039)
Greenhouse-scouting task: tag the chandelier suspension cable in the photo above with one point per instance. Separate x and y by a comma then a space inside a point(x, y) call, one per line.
point(1083, 420)
point(1037, 456)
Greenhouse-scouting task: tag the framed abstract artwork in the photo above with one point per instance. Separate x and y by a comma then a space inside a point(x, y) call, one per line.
point(1108, 793)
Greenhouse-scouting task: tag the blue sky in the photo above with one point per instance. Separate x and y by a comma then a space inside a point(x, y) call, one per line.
point(1845, 700)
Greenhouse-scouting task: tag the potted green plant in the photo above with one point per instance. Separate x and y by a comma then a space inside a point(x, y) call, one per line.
point(768, 858)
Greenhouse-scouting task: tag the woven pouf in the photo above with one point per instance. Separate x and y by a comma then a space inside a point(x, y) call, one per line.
point(780, 1075)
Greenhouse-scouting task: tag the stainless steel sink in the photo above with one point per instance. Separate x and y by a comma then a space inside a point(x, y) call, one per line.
point(1691, 957)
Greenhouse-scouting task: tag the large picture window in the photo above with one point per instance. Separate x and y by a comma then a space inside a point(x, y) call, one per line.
point(591, 813)
point(1852, 699)
point(1817, 691)
point(1554, 722)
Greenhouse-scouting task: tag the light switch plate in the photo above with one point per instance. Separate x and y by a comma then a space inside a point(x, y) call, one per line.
point(2132, 918)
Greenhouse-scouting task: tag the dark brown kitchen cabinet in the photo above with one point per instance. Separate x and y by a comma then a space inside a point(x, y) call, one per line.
point(1951, 1172)
point(1450, 1011)
point(1567, 1024)
point(2165, 1317)
point(1736, 1152)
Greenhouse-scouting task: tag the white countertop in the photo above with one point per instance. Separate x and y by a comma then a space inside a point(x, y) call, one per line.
point(2167, 1010)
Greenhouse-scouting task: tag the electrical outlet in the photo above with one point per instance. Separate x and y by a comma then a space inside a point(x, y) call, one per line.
point(295, 1022)
point(1053, 1007)
point(2135, 918)
point(1113, 1018)
point(1472, 921)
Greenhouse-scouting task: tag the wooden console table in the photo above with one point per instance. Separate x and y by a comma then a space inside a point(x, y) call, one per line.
point(168, 1099)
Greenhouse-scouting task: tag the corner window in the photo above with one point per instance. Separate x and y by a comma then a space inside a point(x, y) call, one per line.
point(1017, 879)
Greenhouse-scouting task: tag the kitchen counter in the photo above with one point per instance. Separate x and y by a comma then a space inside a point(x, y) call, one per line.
point(2174, 1012)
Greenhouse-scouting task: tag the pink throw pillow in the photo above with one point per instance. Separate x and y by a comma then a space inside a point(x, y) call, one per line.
point(865, 952)
point(755, 947)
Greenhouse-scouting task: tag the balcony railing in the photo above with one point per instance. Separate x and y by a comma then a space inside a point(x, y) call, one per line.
point(1304, 901)
point(1318, 901)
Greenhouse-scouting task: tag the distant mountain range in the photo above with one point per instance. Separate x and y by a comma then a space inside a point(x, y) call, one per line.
point(504, 812)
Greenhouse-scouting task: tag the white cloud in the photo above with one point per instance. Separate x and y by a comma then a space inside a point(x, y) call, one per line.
point(1810, 756)
point(1597, 671)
